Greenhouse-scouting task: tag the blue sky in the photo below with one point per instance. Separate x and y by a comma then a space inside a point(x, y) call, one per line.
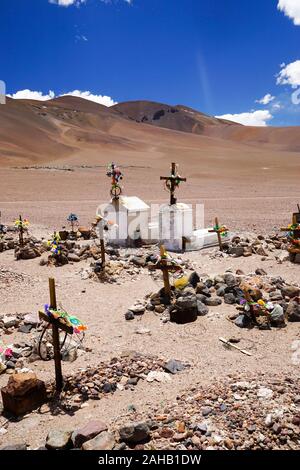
point(218, 56)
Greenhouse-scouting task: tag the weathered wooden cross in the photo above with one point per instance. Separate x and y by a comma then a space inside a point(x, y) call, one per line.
point(218, 230)
point(165, 266)
point(172, 182)
point(21, 231)
point(56, 326)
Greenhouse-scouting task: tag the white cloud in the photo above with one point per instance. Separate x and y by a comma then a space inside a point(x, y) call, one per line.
point(266, 99)
point(38, 95)
point(290, 8)
point(67, 3)
point(290, 74)
point(32, 95)
point(254, 118)
point(87, 95)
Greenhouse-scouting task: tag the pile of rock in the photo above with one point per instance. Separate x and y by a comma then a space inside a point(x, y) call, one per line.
point(241, 245)
point(124, 264)
point(13, 356)
point(240, 413)
point(7, 242)
point(122, 373)
point(22, 322)
point(71, 252)
point(202, 292)
point(33, 248)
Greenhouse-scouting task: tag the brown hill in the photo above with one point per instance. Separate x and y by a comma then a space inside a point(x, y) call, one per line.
point(73, 130)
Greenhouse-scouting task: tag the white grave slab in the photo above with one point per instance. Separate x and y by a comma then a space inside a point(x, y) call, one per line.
point(175, 225)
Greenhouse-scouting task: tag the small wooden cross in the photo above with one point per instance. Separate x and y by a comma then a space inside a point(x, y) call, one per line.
point(173, 181)
point(165, 266)
point(56, 326)
point(218, 230)
point(21, 232)
point(102, 243)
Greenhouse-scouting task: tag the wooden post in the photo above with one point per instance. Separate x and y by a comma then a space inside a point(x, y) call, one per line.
point(165, 272)
point(219, 235)
point(21, 232)
point(249, 300)
point(102, 252)
point(55, 335)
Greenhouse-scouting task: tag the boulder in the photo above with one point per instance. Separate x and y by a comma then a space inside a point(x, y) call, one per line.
point(135, 433)
point(73, 258)
point(88, 432)
point(290, 291)
point(202, 308)
point(214, 301)
point(103, 441)
point(293, 311)
point(230, 280)
point(23, 393)
point(59, 440)
point(229, 298)
point(185, 310)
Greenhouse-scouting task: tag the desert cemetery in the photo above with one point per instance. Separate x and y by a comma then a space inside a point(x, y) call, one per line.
point(144, 328)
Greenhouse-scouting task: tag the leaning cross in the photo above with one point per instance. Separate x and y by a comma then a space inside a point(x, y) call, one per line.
point(218, 230)
point(56, 326)
point(165, 266)
point(172, 182)
point(21, 232)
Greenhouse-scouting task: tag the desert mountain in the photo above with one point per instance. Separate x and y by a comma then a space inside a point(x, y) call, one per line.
point(70, 129)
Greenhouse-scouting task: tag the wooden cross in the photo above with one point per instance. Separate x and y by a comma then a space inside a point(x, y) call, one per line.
point(102, 243)
point(174, 179)
point(21, 232)
point(294, 250)
point(56, 326)
point(218, 230)
point(165, 266)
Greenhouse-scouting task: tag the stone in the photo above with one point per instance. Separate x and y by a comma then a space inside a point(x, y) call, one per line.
point(260, 272)
point(293, 311)
point(202, 308)
point(275, 295)
point(138, 309)
point(236, 251)
point(264, 393)
point(206, 410)
point(10, 321)
point(214, 301)
point(230, 280)
point(221, 290)
point(129, 315)
point(290, 291)
point(23, 393)
point(73, 258)
point(202, 427)
point(59, 440)
point(138, 261)
point(185, 310)
point(18, 446)
point(194, 279)
point(174, 366)
point(229, 298)
point(103, 441)
point(25, 328)
point(134, 433)
point(242, 321)
point(31, 319)
point(87, 432)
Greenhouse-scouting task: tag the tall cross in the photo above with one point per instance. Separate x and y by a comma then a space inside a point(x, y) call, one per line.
point(172, 182)
point(165, 266)
point(56, 326)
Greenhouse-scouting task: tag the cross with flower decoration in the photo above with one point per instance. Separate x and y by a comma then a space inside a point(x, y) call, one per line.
point(59, 320)
point(293, 233)
point(166, 264)
point(172, 182)
point(22, 226)
point(221, 231)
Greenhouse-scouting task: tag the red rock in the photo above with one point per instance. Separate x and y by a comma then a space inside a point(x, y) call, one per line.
point(88, 432)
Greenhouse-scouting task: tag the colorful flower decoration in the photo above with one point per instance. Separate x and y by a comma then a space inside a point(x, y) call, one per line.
point(72, 218)
point(54, 244)
point(24, 224)
point(69, 320)
point(223, 230)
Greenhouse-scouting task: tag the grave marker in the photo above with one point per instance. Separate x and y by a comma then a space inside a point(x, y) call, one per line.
point(165, 265)
point(219, 230)
point(172, 182)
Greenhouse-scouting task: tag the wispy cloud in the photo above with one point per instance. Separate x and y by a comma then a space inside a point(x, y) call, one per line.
point(67, 3)
point(290, 8)
point(266, 99)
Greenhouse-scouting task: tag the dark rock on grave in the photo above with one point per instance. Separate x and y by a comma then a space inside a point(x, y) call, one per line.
point(185, 310)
